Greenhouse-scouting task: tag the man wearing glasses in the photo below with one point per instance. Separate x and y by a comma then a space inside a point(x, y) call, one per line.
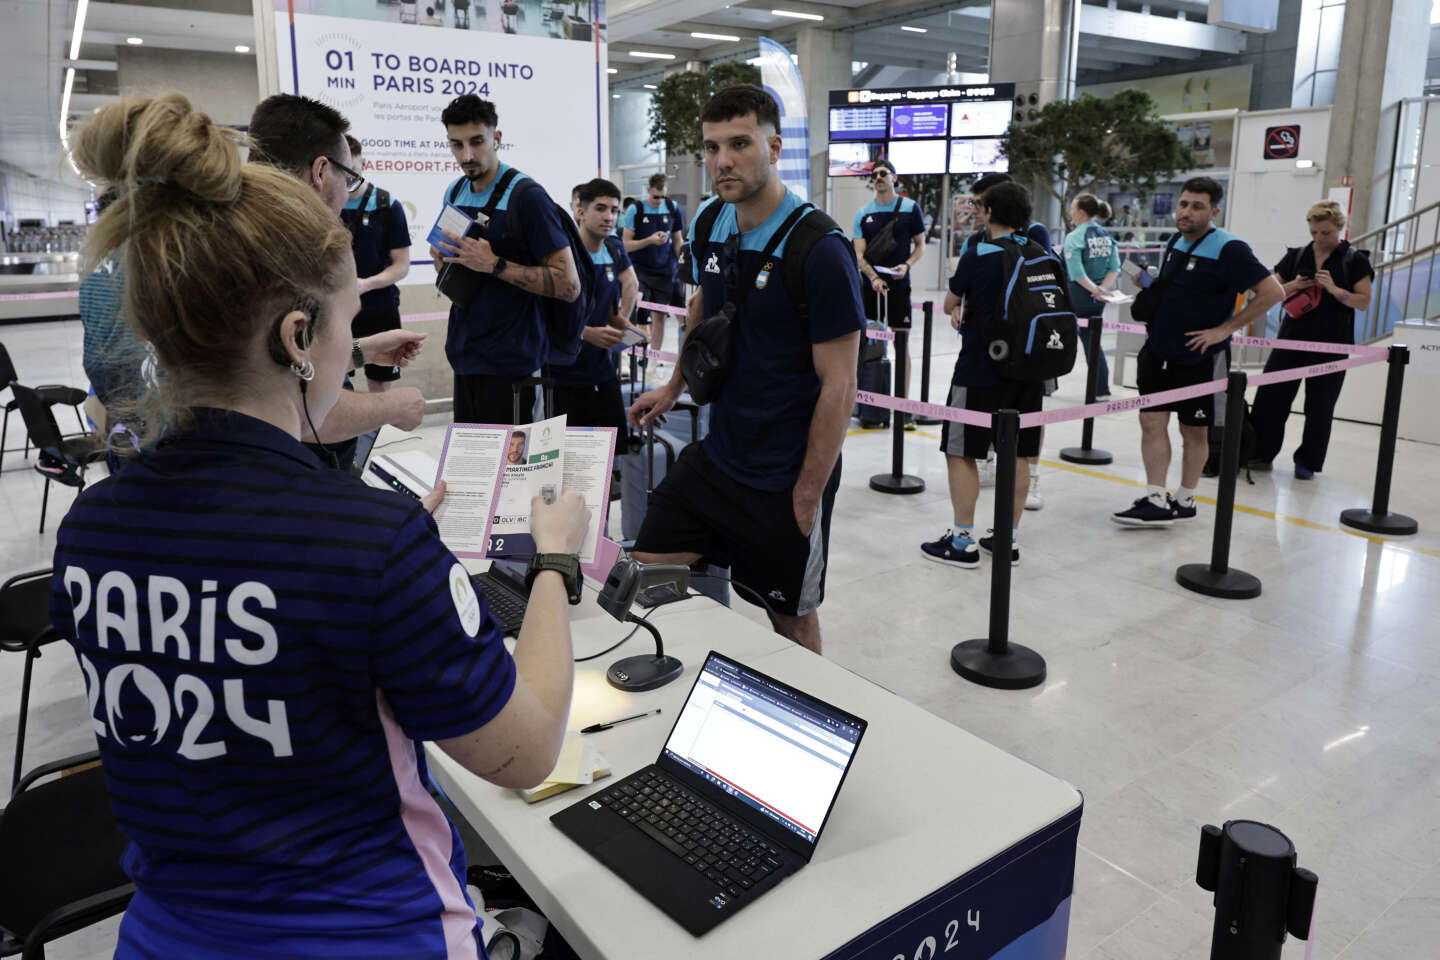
point(654, 232)
point(889, 235)
point(306, 139)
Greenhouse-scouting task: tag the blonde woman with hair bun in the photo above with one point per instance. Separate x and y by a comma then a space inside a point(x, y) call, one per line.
point(265, 640)
point(1326, 281)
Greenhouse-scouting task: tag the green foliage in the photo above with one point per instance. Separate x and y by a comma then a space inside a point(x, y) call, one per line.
point(679, 98)
point(1079, 146)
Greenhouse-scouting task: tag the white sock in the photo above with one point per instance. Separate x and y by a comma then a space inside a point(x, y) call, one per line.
point(1156, 493)
point(1185, 494)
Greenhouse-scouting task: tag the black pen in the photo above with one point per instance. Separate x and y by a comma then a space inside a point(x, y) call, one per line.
point(597, 727)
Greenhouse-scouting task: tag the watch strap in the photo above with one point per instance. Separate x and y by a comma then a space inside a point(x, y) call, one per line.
point(565, 564)
point(500, 265)
point(357, 356)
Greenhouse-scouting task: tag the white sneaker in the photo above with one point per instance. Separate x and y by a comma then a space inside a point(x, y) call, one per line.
point(1033, 500)
point(987, 472)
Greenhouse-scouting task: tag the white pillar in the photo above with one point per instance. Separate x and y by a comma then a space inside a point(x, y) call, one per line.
point(824, 61)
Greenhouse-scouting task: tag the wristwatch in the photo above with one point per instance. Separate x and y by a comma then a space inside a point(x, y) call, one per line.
point(499, 267)
point(357, 356)
point(566, 564)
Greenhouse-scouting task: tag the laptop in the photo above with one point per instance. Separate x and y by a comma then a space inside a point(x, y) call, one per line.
point(506, 594)
point(735, 802)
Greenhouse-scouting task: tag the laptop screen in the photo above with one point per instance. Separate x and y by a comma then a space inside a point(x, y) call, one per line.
point(778, 750)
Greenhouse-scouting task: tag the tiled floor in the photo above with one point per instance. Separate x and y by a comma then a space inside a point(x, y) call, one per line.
point(1315, 707)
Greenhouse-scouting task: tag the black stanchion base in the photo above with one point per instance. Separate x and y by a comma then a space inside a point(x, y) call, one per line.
point(1392, 524)
point(1086, 455)
point(1231, 585)
point(903, 484)
point(924, 421)
point(1017, 669)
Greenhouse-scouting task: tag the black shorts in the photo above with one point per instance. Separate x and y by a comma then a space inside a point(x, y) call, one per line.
point(658, 289)
point(698, 508)
point(1153, 375)
point(897, 305)
point(964, 440)
point(598, 406)
point(368, 322)
point(480, 398)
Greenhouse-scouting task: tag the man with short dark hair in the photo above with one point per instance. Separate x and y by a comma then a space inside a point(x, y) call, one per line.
point(588, 390)
point(499, 340)
point(1188, 343)
point(979, 285)
point(575, 201)
point(757, 492)
point(380, 240)
point(306, 138)
point(654, 231)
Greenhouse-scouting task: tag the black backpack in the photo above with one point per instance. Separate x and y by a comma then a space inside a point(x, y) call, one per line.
point(1034, 337)
point(801, 240)
point(563, 320)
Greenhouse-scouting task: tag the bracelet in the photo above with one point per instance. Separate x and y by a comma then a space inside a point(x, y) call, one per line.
point(357, 356)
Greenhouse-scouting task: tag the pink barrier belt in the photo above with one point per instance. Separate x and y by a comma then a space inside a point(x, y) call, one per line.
point(1308, 346)
point(662, 308)
point(878, 334)
point(656, 354)
point(51, 295)
point(418, 317)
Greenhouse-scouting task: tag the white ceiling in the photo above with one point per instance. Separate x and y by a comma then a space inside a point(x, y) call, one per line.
point(35, 38)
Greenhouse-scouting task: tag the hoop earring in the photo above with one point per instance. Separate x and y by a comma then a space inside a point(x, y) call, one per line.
point(305, 371)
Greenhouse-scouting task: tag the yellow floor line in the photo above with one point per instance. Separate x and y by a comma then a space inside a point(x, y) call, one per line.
point(1254, 511)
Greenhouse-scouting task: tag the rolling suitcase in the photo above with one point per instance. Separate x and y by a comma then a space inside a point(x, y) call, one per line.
point(874, 374)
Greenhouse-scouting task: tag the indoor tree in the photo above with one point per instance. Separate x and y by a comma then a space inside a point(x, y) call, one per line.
point(1076, 146)
point(678, 99)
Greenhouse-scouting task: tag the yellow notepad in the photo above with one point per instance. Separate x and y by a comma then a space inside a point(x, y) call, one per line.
point(579, 763)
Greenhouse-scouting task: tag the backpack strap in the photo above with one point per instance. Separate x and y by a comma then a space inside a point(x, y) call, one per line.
point(382, 209)
point(812, 227)
point(703, 224)
point(738, 296)
point(673, 210)
point(455, 188)
point(498, 192)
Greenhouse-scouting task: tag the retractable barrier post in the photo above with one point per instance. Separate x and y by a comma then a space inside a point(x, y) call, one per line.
point(1379, 519)
point(1260, 894)
point(1085, 453)
point(994, 661)
point(897, 480)
point(928, 309)
point(1217, 579)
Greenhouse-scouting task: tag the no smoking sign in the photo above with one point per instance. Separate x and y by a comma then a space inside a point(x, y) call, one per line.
point(1282, 143)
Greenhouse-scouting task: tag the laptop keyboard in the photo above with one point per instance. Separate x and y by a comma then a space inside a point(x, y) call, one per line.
point(715, 844)
point(507, 606)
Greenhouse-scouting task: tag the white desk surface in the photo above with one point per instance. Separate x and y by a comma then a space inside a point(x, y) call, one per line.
point(924, 803)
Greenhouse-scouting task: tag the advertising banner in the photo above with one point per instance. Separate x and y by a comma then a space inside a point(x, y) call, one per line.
point(782, 81)
point(391, 68)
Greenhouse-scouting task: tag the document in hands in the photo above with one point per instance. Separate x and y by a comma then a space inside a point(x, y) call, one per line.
point(452, 220)
point(492, 472)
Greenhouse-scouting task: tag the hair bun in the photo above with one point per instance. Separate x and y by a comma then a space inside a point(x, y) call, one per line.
point(163, 140)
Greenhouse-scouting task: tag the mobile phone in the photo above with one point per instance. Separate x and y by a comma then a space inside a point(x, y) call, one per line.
point(632, 338)
point(1133, 270)
point(1307, 275)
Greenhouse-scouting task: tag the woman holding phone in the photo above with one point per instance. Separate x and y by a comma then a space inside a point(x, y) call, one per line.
point(1325, 281)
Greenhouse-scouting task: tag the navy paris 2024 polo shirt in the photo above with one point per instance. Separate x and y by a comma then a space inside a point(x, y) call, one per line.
point(592, 365)
point(979, 280)
point(872, 218)
point(760, 420)
point(374, 234)
point(264, 642)
point(1202, 294)
point(645, 219)
point(501, 333)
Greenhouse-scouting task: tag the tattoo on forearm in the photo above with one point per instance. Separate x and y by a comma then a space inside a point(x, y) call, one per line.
point(549, 290)
point(542, 281)
point(500, 769)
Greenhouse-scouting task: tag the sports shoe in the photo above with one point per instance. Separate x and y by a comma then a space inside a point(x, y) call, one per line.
point(1033, 500)
point(987, 472)
point(908, 423)
point(987, 543)
point(1260, 466)
point(1178, 510)
point(1145, 512)
point(1303, 472)
point(947, 549)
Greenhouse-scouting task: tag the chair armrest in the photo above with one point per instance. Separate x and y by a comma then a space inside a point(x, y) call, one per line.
point(75, 916)
point(55, 766)
point(19, 577)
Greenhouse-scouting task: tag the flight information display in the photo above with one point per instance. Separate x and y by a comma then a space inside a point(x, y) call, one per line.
point(921, 130)
point(858, 123)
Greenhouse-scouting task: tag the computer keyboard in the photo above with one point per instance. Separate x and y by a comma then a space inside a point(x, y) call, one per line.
point(507, 604)
point(717, 845)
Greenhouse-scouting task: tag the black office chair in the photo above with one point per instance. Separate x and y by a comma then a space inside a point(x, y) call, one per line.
point(60, 850)
point(62, 459)
point(25, 628)
point(50, 395)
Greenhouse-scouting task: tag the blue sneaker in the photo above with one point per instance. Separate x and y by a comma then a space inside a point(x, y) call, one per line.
point(1303, 472)
point(956, 552)
point(1181, 511)
point(987, 543)
point(1145, 512)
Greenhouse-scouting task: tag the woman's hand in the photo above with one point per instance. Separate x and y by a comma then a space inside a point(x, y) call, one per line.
point(432, 499)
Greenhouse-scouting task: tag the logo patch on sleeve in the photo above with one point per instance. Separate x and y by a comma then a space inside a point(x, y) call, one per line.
point(467, 604)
